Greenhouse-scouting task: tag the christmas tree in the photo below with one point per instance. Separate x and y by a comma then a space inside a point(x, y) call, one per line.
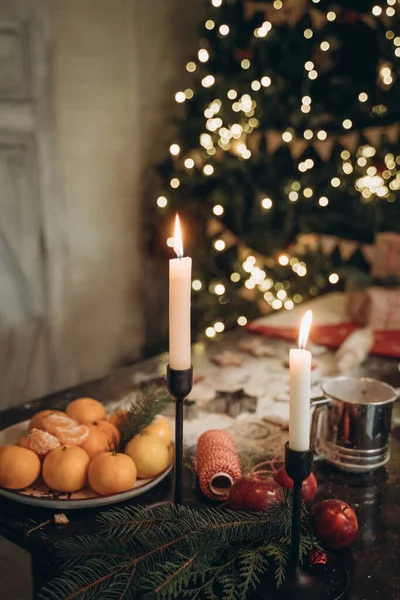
point(286, 141)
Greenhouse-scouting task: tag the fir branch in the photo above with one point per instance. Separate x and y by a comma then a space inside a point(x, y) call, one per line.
point(169, 551)
point(149, 402)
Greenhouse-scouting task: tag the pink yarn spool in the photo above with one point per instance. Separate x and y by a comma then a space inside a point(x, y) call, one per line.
point(217, 464)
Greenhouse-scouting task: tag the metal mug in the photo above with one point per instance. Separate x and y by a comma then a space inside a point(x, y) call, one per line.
point(350, 427)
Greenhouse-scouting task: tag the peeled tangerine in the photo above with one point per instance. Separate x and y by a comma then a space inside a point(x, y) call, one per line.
point(19, 467)
point(102, 437)
point(37, 420)
point(65, 469)
point(42, 442)
point(162, 429)
point(86, 410)
point(112, 473)
point(150, 455)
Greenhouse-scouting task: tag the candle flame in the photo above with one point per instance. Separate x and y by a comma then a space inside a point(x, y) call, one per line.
point(305, 329)
point(178, 247)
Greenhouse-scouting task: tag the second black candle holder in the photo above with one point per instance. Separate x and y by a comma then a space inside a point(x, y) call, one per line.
point(179, 384)
point(327, 581)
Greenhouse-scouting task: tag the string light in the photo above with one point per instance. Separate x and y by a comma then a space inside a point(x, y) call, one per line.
point(208, 81)
point(224, 29)
point(347, 124)
point(278, 4)
point(347, 168)
point(216, 3)
point(308, 33)
point(276, 304)
point(309, 65)
point(208, 170)
point(189, 163)
point(203, 55)
point(191, 67)
point(308, 134)
point(162, 201)
point(197, 285)
point(345, 154)
point(306, 100)
point(309, 163)
point(293, 196)
point(255, 85)
point(266, 203)
point(210, 24)
point(232, 94)
point(376, 11)
point(235, 277)
point(219, 327)
point(242, 321)
point(266, 81)
point(180, 97)
point(170, 242)
point(174, 149)
point(331, 16)
point(210, 332)
point(390, 11)
point(287, 136)
point(363, 97)
point(333, 278)
point(313, 74)
point(335, 182)
point(283, 260)
point(219, 289)
point(308, 192)
point(219, 245)
point(289, 304)
point(245, 63)
point(174, 183)
point(218, 210)
point(323, 201)
point(325, 46)
point(322, 135)
point(389, 35)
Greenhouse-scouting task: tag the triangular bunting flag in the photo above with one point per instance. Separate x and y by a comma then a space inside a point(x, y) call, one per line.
point(350, 141)
point(328, 244)
point(368, 252)
point(274, 141)
point(347, 249)
point(324, 148)
point(373, 135)
point(318, 19)
point(392, 133)
point(297, 147)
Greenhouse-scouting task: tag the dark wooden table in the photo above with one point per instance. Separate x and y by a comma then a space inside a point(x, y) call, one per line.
point(374, 559)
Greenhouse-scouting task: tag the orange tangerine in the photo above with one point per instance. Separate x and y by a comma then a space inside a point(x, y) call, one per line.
point(73, 437)
point(19, 467)
point(23, 442)
point(103, 437)
point(55, 423)
point(118, 418)
point(150, 455)
point(112, 473)
point(65, 469)
point(37, 420)
point(161, 427)
point(42, 442)
point(86, 410)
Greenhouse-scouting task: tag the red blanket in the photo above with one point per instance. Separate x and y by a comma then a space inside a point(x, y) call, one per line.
point(387, 343)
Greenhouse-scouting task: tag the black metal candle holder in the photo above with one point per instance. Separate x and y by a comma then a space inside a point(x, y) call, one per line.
point(179, 383)
point(326, 581)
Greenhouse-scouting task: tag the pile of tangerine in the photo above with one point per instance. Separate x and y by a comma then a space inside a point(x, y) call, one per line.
point(80, 446)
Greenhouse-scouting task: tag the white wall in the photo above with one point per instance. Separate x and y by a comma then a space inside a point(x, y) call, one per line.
point(117, 64)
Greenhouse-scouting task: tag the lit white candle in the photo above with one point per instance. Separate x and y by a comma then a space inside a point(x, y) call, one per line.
point(180, 271)
point(300, 390)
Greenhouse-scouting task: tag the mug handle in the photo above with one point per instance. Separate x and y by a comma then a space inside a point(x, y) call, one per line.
point(315, 422)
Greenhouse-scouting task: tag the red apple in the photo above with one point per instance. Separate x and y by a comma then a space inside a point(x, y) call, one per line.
point(335, 523)
point(254, 494)
point(308, 489)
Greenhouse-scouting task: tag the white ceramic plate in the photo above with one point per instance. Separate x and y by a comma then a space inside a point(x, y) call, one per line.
point(40, 495)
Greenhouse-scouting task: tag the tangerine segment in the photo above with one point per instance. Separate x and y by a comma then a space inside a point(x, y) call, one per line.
point(42, 442)
point(38, 418)
point(55, 423)
point(73, 437)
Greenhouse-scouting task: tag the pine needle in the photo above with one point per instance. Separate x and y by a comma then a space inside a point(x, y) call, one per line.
point(149, 403)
